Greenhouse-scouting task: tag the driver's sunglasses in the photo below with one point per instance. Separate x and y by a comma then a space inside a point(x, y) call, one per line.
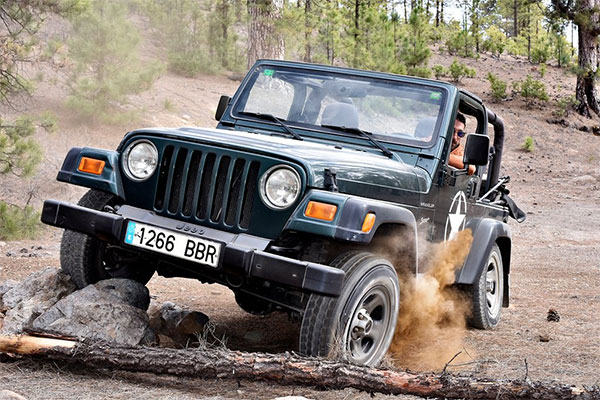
point(461, 133)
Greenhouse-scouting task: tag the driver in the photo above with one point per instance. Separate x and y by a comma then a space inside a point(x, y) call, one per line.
point(457, 152)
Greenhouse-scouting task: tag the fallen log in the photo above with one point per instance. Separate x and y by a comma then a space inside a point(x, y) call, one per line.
point(285, 369)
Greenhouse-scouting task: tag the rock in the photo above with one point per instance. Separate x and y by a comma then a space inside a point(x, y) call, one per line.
point(178, 324)
point(544, 338)
point(553, 315)
point(5, 287)
point(186, 117)
point(584, 179)
point(112, 311)
point(9, 395)
point(33, 296)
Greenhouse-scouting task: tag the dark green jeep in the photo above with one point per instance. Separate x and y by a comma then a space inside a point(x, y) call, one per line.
point(311, 170)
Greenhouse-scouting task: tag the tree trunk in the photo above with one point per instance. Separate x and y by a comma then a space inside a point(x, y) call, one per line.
point(515, 19)
point(285, 369)
point(356, 30)
point(264, 41)
point(224, 13)
point(307, 31)
point(585, 92)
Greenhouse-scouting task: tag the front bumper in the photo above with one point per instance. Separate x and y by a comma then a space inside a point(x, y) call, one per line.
point(241, 254)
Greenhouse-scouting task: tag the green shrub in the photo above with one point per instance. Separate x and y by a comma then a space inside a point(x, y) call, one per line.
point(543, 70)
point(168, 105)
point(19, 152)
point(422, 72)
point(516, 46)
point(458, 70)
point(18, 223)
point(532, 90)
point(461, 43)
point(528, 144)
point(564, 106)
point(541, 51)
point(190, 64)
point(498, 87)
point(495, 41)
point(439, 71)
point(48, 121)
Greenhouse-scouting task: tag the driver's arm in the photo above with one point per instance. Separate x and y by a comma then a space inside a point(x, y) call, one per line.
point(455, 161)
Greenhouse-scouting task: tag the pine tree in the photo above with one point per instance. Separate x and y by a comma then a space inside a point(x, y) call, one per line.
point(415, 51)
point(104, 47)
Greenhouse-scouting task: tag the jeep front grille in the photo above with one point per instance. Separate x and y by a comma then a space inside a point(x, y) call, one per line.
point(206, 186)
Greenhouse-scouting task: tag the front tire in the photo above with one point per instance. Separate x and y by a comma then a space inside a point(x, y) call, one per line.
point(359, 325)
point(488, 292)
point(88, 260)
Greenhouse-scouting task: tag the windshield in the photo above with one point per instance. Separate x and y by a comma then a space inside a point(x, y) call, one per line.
point(390, 110)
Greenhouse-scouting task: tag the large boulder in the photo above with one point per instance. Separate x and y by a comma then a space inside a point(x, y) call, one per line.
point(112, 311)
point(30, 298)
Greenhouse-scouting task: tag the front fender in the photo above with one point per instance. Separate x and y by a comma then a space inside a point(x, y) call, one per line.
point(108, 181)
point(486, 232)
point(347, 223)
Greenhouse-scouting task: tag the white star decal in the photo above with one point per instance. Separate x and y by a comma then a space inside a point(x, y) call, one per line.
point(456, 219)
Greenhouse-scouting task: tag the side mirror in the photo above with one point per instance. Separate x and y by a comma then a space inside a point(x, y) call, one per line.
point(223, 103)
point(476, 149)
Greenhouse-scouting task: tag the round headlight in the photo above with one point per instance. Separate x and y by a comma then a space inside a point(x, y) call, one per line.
point(280, 187)
point(140, 160)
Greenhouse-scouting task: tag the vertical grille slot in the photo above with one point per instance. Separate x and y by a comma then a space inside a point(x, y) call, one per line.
point(249, 190)
point(219, 193)
point(177, 180)
point(235, 189)
point(205, 184)
point(163, 175)
point(190, 185)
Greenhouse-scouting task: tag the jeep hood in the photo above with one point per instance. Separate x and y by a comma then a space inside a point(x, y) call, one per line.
point(351, 166)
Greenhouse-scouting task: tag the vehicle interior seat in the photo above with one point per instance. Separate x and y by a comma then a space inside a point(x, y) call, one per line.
point(424, 129)
point(340, 114)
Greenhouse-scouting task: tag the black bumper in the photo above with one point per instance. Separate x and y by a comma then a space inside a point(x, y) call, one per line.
point(242, 254)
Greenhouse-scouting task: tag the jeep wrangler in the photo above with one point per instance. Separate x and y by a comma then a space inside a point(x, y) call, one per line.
point(309, 170)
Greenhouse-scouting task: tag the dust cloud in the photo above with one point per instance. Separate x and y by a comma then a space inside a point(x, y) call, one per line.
point(432, 318)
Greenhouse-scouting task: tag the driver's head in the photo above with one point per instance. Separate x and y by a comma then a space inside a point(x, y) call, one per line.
point(459, 129)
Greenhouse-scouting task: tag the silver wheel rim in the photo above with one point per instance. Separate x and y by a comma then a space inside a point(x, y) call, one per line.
point(369, 331)
point(492, 286)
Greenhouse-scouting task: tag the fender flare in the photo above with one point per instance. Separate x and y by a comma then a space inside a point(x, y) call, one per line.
point(351, 211)
point(108, 181)
point(347, 224)
point(486, 233)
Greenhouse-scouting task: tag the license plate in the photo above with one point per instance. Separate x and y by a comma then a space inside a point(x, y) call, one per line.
point(172, 243)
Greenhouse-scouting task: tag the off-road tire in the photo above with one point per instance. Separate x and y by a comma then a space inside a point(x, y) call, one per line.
point(487, 292)
point(81, 255)
point(326, 324)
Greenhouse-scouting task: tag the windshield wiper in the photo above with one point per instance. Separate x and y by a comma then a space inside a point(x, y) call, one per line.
point(364, 134)
point(275, 119)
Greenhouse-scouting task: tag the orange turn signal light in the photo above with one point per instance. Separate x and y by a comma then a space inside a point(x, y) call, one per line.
point(323, 211)
point(368, 222)
point(91, 165)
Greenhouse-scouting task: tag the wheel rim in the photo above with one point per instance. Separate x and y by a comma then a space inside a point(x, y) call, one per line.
point(492, 286)
point(368, 332)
